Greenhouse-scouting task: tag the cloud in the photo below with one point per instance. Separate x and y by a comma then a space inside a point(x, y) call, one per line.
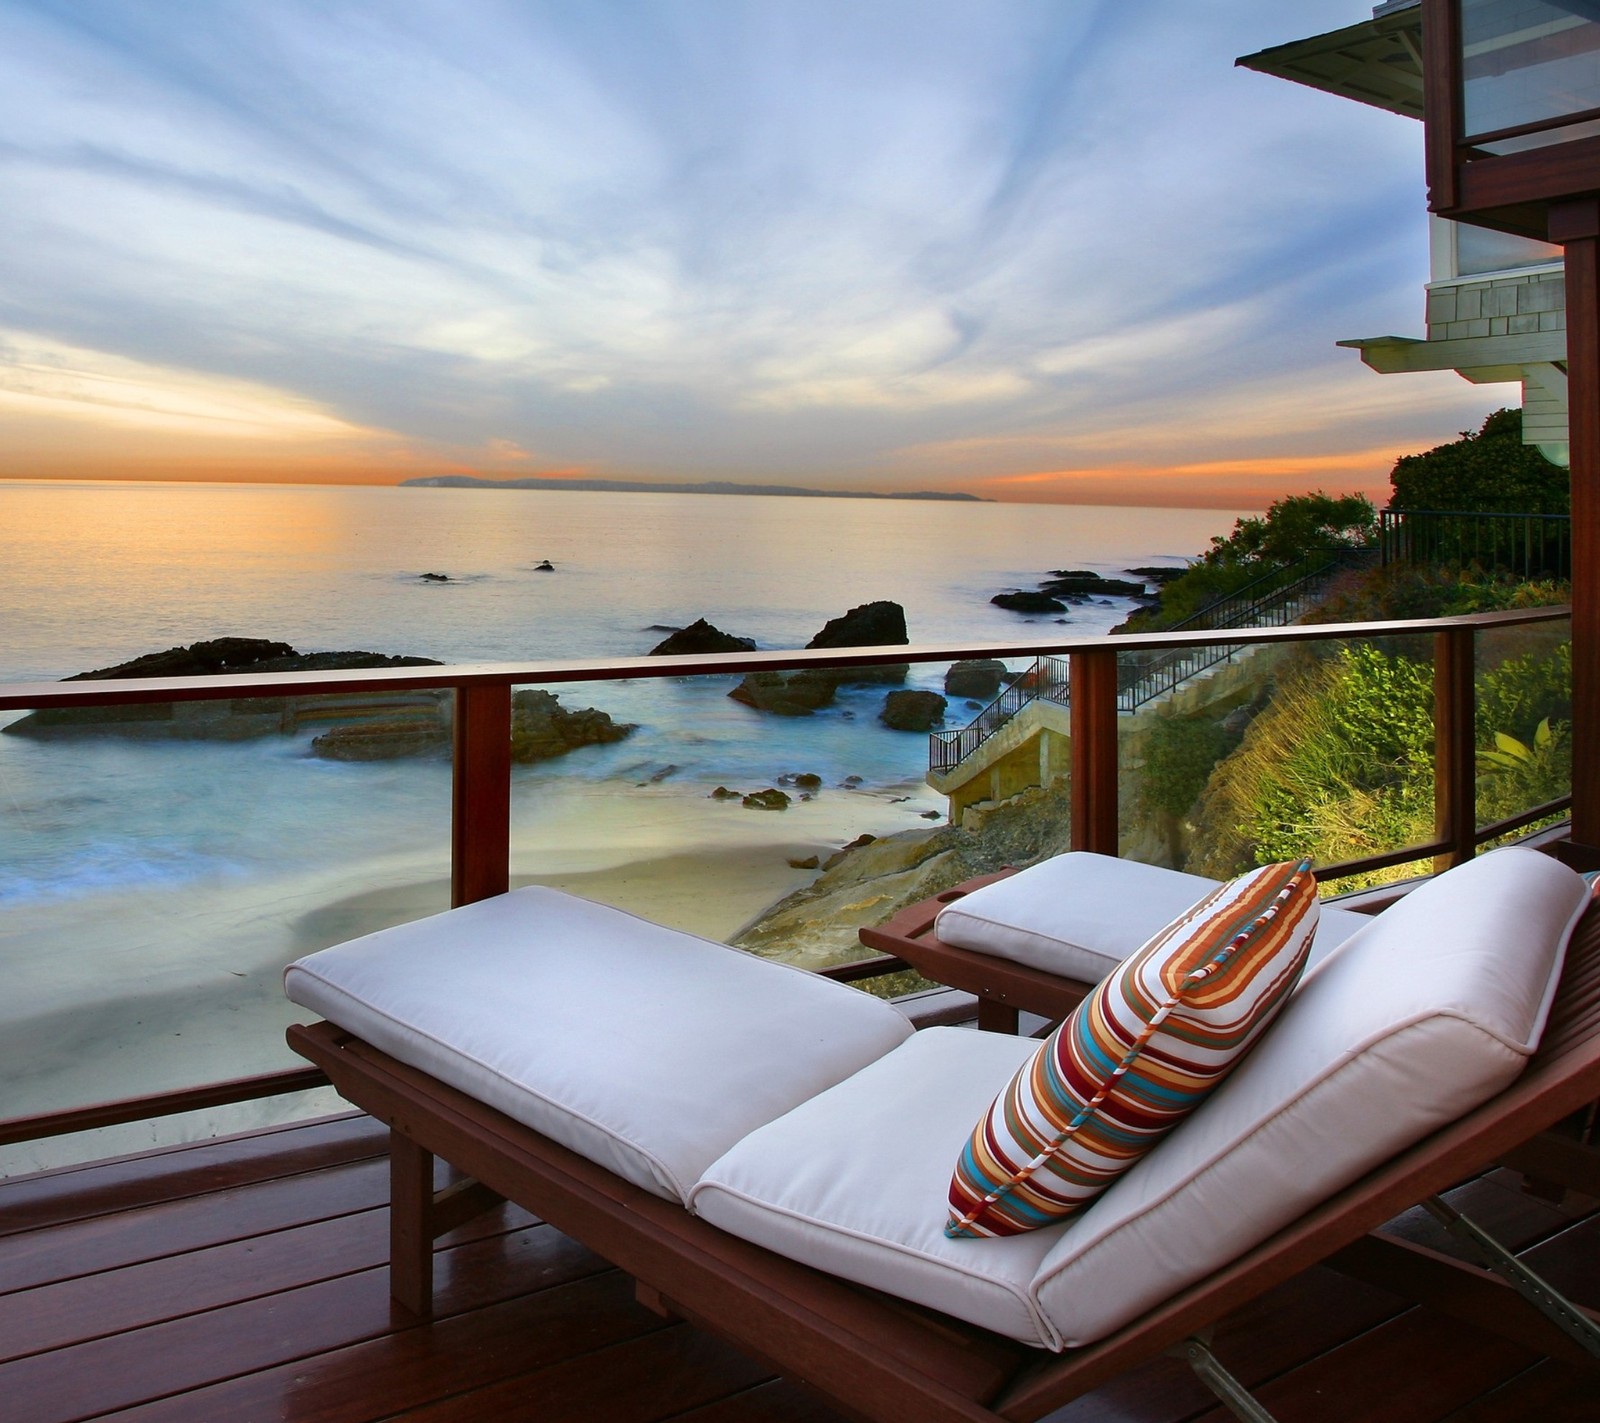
point(699, 236)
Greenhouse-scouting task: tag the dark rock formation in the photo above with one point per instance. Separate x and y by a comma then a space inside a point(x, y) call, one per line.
point(1072, 582)
point(879, 624)
point(238, 718)
point(1028, 603)
point(808, 781)
point(723, 793)
point(770, 799)
point(434, 577)
point(843, 852)
point(809, 863)
point(913, 711)
point(980, 677)
point(701, 637)
point(383, 740)
point(544, 566)
point(786, 693)
point(541, 728)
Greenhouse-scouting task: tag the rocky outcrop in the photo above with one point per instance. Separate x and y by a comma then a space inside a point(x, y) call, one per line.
point(1028, 603)
point(701, 637)
point(817, 925)
point(235, 719)
point(787, 693)
point(977, 677)
point(1077, 583)
point(541, 728)
point(879, 624)
point(769, 799)
point(383, 740)
point(913, 711)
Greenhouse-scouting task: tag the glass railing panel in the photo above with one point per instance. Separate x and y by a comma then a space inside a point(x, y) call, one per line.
point(1319, 749)
point(770, 811)
point(1523, 715)
point(158, 870)
point(1183, 713)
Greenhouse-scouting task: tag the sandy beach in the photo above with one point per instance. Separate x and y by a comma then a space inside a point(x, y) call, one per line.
point(120, 993)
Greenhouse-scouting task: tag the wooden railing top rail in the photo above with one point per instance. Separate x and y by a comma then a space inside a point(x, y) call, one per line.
point(28, 696)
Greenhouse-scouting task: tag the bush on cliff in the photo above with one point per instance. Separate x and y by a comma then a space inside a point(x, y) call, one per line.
point(1340, 763)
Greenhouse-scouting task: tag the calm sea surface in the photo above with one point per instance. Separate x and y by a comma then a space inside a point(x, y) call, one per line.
point(97, 573)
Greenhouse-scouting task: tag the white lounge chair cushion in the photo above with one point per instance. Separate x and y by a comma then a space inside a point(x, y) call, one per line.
point(854, 1183)
point(644, 1049)
point(1426, 1014)
point(1080, 914)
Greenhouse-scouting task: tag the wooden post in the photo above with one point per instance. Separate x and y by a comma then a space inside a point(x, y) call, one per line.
point(1093, 678)
point(480, 848)
point(1455, 781)
point(1577, 226)
point(410, 1230)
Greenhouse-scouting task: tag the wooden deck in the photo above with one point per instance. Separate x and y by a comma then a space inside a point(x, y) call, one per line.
point(245, 1279)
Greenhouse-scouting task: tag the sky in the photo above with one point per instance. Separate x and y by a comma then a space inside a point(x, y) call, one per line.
point(1036, 250)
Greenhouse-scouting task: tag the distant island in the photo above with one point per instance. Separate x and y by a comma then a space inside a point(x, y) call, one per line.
point(628, 486)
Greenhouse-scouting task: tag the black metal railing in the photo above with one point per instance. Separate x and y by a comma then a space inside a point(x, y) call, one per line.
point(1527, 545)
point(1275, 599)
point(1046, 679)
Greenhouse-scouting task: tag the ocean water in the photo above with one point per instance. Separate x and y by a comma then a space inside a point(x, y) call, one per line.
point(99, 573)
point(150, 891)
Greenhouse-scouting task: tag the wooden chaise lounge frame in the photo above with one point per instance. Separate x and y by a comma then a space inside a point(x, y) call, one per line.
point(881, 1359)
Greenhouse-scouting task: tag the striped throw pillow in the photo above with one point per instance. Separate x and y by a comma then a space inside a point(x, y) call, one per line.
point(1141, 1051)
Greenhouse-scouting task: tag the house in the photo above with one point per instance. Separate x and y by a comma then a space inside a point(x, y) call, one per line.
point(1496, 301)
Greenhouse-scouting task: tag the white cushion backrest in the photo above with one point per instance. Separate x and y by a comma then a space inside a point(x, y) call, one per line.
point(1412, 1022)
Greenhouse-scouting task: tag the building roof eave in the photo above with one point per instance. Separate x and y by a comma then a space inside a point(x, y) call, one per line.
point(1376, 62)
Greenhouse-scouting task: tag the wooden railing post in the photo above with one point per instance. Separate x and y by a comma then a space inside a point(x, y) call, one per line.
point(1455, 779)
point(480, 828)
point(1093, 678)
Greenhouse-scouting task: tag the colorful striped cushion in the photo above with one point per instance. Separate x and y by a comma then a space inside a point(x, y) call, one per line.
point(1139, 1053)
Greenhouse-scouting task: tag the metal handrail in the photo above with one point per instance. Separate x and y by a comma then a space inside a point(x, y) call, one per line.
point(1528, 544)
point(1140, 682)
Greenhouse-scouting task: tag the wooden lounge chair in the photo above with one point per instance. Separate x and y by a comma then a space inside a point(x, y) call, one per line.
point(879, 1357)
point(987, 951)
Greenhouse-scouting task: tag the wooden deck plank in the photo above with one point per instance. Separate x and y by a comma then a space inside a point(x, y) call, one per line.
point(657, 1376)
point(777, 1402)
point(271, 1302)
point(50, 1198)
point(110, 1241)
point(74, 1310)
point(382, 1376)
point(193, 1352)
point(1416, 1368)
point(1548, 1393)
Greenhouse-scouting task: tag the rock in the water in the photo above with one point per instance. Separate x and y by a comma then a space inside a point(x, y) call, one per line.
point(381, 740)
point(808, 781)
point(701, 637)
point(1028, 603)
point(913, 711)
point(544, 566)
point(434, 577)
point(980, 677)
point(770, 799)
point(809, 863)
point(879, 624)
point(542, 728)
point(1081, 582)
point(786, 693)
point(723, 793)
point(236, 719)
